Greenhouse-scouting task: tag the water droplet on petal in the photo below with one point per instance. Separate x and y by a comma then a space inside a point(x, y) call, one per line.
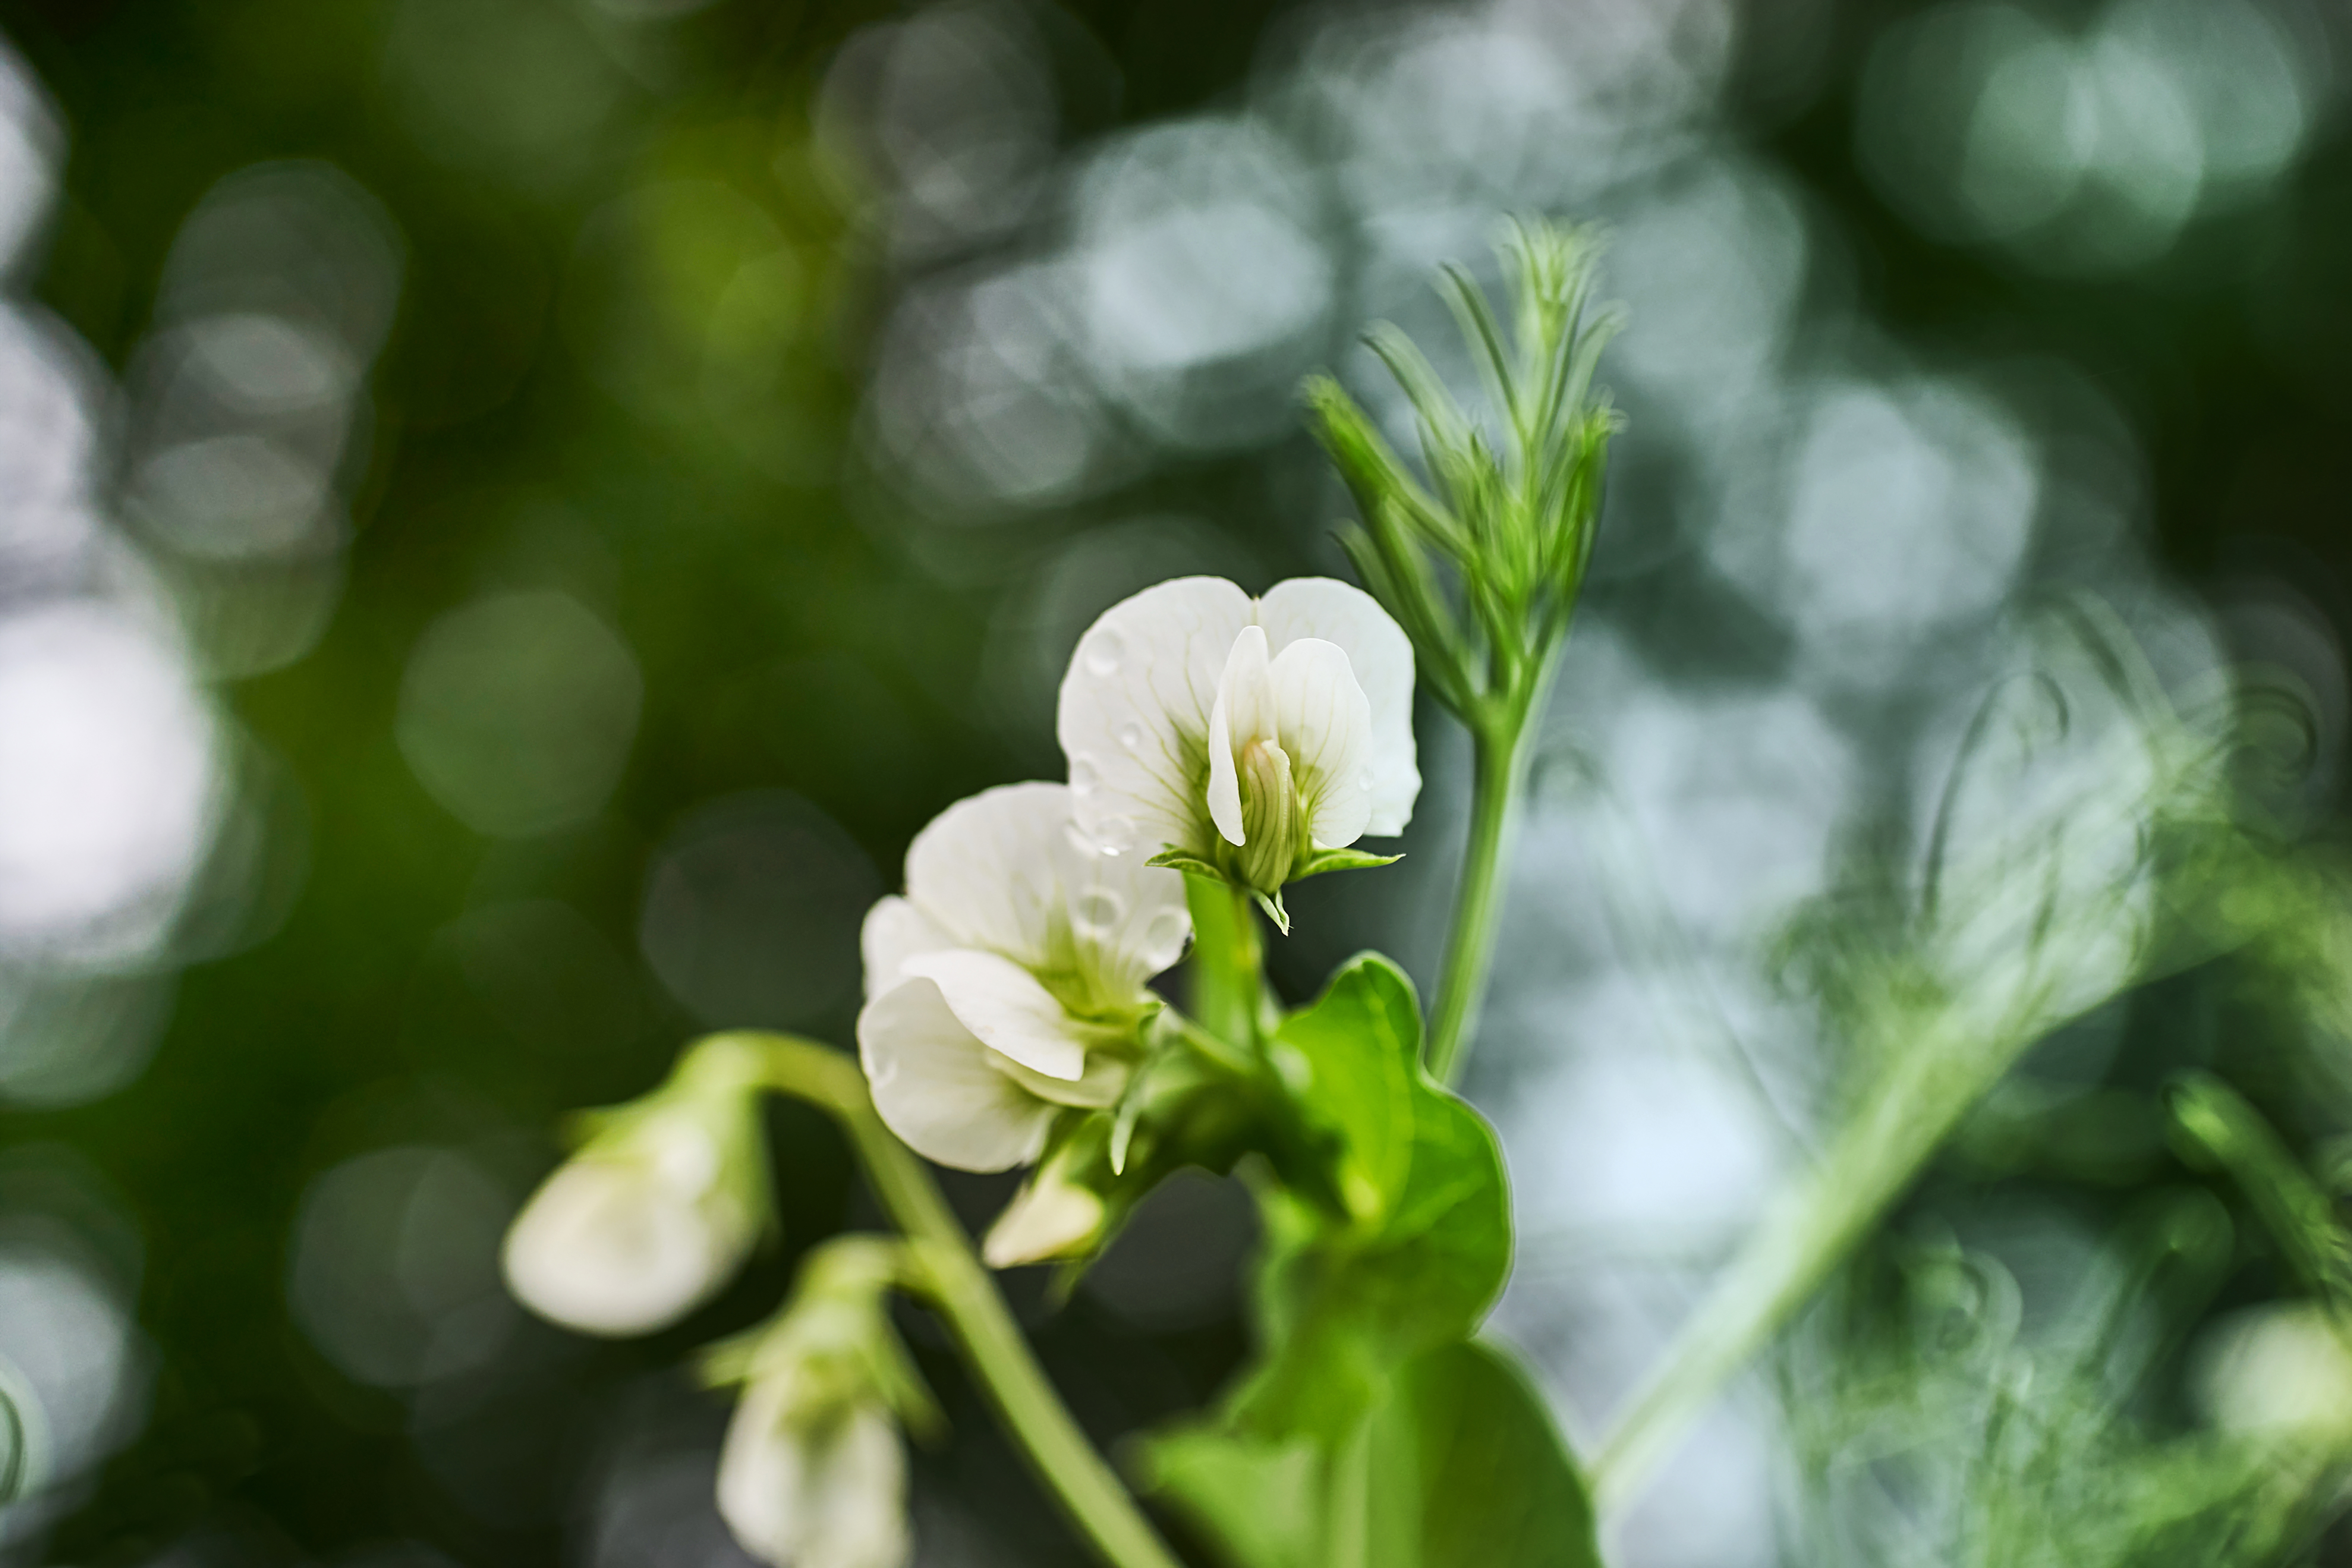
point(1096, 913)
point(1116, 834)
point(1084, 774)
point(1104, 650)
point(1131, 735)
point(1163, 938)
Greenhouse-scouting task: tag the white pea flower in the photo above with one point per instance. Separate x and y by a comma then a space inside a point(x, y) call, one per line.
point(1010, 980)
point(811, 1481)
point(1248, 733)
point(654, 1215)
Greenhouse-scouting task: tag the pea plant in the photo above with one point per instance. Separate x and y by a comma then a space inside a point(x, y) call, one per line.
point(1073, 983)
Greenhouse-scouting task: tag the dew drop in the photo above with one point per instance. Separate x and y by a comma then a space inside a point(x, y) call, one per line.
point(1096, 913)
point(1116, 834)
point(1084, 774)
point(1131, 735)
point(1104, 650)
point(1163, 938)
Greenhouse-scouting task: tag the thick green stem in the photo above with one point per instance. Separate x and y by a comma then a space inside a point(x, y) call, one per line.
point(967, 1297)
point(1228, 961)
point(1498, 766)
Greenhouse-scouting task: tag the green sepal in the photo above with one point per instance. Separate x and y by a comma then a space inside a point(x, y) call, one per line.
point(1177, 859)
point(1350, 859)
point(1272, 904)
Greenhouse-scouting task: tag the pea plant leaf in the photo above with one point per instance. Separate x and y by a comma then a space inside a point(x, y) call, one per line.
point(1408, 1264)
point(1465, 1469)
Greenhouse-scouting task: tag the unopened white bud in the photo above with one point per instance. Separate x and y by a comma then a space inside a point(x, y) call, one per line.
point(1051, 1216)
point(636, 1231)
point(814, 1483)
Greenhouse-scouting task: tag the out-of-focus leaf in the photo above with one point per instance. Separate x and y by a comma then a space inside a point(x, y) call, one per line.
point(18, 1444)
point(1261, 1504)
point(1467, 1471)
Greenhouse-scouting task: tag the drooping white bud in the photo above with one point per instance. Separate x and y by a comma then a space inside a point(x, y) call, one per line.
point(814, 1474)
point(654, 1215)
point(813, 1483)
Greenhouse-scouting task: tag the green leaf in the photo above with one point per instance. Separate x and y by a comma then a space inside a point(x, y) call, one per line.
point(1468, 1471)
point(1324, 860)
point(1259, 1503)
point(1427, 1243)
point(1404, 1261)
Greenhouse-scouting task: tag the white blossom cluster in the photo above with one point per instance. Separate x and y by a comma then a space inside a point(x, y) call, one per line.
point(1007, 988)
point(1238, 732)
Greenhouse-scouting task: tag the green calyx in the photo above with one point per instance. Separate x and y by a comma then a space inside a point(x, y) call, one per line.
point(833, 1340)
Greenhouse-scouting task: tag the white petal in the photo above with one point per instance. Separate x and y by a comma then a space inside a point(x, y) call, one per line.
point(857, 1495)
point(829, 1493)
point(895, 932)
point(936, 1087)
point(1126, 920)
point(1380, 655)
point(763, 1475)
point(1243, 713)
point(1324, 722)
point(1104, 1081)
point(610, 1244)
point(1007, 1009)
point(1134, 713)
point(983, 871)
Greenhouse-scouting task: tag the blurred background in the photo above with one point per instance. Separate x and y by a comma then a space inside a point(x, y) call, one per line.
point(512, 513)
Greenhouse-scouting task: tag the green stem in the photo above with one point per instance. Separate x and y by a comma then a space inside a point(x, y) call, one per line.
point(967, 1297)
point(1228, 963)
point(1498, 766)
point(1805, 1235)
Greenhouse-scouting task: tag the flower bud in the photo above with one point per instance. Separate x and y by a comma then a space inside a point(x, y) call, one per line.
point(1271, 816)
point(653, 1216)
point(813, 1473)
point(1054, 1216)
point(810, 1483)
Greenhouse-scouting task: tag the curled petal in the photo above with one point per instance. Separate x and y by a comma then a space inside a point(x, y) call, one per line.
point(1381, 656)
point(939, 1089)
point(1244, 712)
point(1133, 717)
point(1006, 1010)
point(1325, 724)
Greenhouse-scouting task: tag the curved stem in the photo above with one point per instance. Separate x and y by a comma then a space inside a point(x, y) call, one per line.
point(1497, 767)
point(999, 1357)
